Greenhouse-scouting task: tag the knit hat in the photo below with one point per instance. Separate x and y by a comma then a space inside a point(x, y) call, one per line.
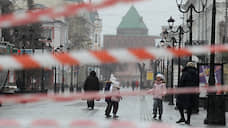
point(190, 64)
point(161, 76)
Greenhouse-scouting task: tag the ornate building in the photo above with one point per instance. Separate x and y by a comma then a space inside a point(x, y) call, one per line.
point(131, 32)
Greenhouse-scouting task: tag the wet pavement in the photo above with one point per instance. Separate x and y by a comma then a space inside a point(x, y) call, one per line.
point(137, 108)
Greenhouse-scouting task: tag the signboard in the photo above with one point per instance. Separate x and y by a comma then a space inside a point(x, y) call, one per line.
point(149, 75)
point(26, 51)
point(204, 72)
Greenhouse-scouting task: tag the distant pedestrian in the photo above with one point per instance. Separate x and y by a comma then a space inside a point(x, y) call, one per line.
point(128, 84)
point(115, 99)
point(137, 83)
point(108, 99)
point(189, 78)
point(159, 85)
point(133, 85)
point(91, 85)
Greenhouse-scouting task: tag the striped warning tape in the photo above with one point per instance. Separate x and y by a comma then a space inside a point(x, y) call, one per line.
point(22, 99)
point(49, 123)
point(40, 15)
point(102, 56)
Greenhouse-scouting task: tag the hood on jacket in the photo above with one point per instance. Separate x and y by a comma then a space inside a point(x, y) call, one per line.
point(93, 73)
point(191, 70)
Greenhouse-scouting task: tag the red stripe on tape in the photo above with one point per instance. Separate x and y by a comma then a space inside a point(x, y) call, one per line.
point(9, 123)
point(65, 58)
point(28, 100)
point(65, 99)
point(180, 52)
point(45, 122)
point(27, 61)
point(122, 124)
point(218, 48)
point(83, 123)
point(141, 53)
point(160, 125)
point(104, 56)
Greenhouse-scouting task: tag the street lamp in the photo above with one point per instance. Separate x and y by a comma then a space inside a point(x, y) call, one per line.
point(215, 104)
point(162, 44)
point(55, 86)
point(180, 31)
point(71, 76)
point(42, 72)
point(183, 9)
point(62, 85)
point(173, 40)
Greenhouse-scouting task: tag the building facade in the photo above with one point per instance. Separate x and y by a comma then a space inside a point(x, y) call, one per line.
point(202, 23)
point(131, 33)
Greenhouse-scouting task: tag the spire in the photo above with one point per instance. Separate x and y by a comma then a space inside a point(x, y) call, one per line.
point(132, 20)
point(132, 24)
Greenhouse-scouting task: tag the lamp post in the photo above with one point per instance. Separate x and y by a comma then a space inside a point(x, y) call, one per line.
point(162, 44)
point(63, 79)
point(55, 86)
point(42, 72)
point(173, 40)
point(190, 9)
point(71, 80)
point(215, 104)
point(180, 31)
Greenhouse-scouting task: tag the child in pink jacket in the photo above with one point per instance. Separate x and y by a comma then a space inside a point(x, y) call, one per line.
point(159, 85)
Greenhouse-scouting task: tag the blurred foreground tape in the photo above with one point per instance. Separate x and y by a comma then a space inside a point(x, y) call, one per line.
point(39, 15)
point(83, 57)
point(31, 98)
point(47, 123)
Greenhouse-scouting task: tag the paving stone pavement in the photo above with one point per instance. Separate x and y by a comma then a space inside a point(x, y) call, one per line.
point(133, 108)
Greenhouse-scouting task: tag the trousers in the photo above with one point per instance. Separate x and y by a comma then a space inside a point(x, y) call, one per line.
point(158, 106)
point(90, 103)
point(108, 107)
point(115, 107)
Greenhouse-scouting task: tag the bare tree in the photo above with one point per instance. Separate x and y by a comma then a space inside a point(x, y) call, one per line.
point(79, 31)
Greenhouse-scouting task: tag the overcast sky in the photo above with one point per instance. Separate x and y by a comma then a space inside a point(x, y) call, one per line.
point(155, 14)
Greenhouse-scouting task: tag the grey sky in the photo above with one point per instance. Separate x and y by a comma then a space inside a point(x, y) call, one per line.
point(155, 14)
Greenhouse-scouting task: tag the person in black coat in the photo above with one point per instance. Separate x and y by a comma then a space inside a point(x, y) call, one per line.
point(91, 85)
point(189, 78)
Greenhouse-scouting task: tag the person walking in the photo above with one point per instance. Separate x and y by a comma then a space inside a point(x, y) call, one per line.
point(159, 85)
point(108, 100)
point(133, 85)
point(91, 85)
point(115, 99)
point(189, 78)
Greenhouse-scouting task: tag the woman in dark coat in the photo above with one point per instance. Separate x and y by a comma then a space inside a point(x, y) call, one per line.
point(91, 85)
point(189, 78)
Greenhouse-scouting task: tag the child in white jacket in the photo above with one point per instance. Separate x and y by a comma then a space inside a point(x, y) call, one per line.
point(159, 85)
point(115, 88)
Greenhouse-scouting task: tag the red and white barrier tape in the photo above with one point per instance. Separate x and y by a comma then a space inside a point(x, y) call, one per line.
point(40, 15)
point(21, 99)
point(48, 123)
point(102, 56)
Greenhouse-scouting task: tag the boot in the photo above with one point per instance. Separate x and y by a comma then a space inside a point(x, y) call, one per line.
point(154, 116)
point(115, 116)
point(187, 122)
point(180, 120)
point(160, 117)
